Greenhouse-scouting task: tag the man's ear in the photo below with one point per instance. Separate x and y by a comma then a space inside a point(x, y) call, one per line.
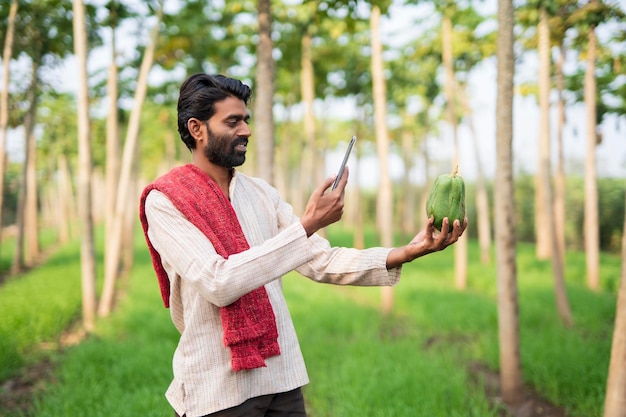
point(195, 128)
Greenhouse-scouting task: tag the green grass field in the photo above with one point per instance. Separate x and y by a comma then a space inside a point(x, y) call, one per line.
point(414, 362)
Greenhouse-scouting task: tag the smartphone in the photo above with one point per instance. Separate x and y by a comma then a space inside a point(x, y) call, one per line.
point(343, 164)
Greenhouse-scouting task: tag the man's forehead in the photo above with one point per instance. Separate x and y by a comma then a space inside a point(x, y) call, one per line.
point(231, 106)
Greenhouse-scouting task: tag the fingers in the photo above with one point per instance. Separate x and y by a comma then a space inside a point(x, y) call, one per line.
point(455, 230)
point(325, 185)
point(442, 239)
point(343, 181)
point(449, 233)
point(328, 182)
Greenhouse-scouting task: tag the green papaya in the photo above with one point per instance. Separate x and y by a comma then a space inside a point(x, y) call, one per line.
point(447, 199)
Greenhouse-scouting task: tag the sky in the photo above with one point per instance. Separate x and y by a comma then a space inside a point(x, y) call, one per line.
point(611, 154)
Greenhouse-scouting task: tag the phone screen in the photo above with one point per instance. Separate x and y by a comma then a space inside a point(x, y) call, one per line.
point(343, 164)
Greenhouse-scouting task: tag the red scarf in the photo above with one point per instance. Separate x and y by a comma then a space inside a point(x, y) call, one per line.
point(249, 324)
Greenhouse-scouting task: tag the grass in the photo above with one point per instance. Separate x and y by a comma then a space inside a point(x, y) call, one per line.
point(37, 307)
point(411, 363)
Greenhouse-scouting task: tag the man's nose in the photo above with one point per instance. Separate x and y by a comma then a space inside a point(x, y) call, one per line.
point(245, 130)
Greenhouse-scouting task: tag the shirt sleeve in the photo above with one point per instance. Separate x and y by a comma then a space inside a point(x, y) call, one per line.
point(339, 265)
point(186, 251)
point(348, 266)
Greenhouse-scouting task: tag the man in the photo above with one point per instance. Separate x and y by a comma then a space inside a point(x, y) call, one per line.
point(221, 241)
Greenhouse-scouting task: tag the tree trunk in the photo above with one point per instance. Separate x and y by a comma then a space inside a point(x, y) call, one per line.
point(308, 169)
point(546, 209)
point(126, 184)
point(264, 97)
point(427, 184)
point(511, 382)
point(559, 195)
point(7, 53)
point(358, 239)
point(29, 127)
point(615, 399)
point(88, 258)
point(385, 189)
point(542, 198)
point(460, 248)
point(64, 198)
point(31, 222)
point(113, 147)
point(128, 258)
point(407, 215)
point(591, 232)
point(482, 198)
point(359, 220)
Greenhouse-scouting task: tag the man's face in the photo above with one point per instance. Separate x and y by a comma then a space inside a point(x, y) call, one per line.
point(228, 133)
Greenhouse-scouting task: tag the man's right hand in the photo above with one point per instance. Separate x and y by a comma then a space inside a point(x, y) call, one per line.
point(324, 208)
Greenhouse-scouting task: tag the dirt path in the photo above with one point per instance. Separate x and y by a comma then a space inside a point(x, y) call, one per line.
point(533, 404)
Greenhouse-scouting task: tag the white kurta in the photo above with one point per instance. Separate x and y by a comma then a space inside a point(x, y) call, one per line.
point(201, 282)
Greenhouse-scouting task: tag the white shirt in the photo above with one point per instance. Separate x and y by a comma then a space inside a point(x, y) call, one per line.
point(201, 282)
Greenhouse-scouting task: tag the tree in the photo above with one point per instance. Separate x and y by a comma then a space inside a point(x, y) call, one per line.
point(385, 189)
point(586, 20)
point(264, 97)
point(29, 140)
point(42, 30)
point(415, 73)
point(511, 382)
point(448, 9)
point(117, 12)
point(547, 203)
point(615, 399)
point(543, 197)
point(126, 182)
point(469, 49)
point(88, 256)
point(4, 97)
point(558, 27)
point(592, 236)
point(58, 147)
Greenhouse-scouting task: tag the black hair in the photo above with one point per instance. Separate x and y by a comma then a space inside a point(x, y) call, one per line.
point(198, 95)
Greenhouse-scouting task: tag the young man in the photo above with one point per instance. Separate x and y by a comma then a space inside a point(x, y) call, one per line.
point(221, 241)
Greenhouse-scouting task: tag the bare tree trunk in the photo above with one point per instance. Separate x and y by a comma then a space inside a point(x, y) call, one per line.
point(591, 232)
point(545, 179)
point(482, 198)
point(63, 191)
point(460, 248)
point(130, 219)
point(7, 53)
point(282, 177)
point(170, 143)
point(264, 102)
point(511, 382)
point(543, 203)
point(407, 215)
point(615, 399)
point(423, 219)
point(88, 257)
point(126, 183)
point(308, 170)
point(359, 221)
point(31, 222)
point(559, 195)
point(29, 127)
point(113, 147)
point(358, 240)
point(385, 189)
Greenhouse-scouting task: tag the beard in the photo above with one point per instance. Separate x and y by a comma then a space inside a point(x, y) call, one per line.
point(220, 150)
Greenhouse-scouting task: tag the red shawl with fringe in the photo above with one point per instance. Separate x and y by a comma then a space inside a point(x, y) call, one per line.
point(249, 324)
